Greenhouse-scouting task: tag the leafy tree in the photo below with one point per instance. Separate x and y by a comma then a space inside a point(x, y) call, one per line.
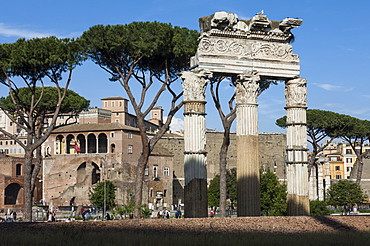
point(214, 192)
point(320, 125)
point(32, 62)
point(150, 54)
point(356, 137)
point(319, 208)
point(273, 195)
point(345, 194)
point(98, 196)
point(214, 188)
point(145, 211)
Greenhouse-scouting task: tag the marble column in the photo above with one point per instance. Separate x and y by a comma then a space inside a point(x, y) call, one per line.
point(248, 178)
point(320, 182)
point(195, 190)
point(296, 134)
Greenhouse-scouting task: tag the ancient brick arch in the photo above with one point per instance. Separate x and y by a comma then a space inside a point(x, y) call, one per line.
point(88, 173)
point(249, 51)
point(13, 194)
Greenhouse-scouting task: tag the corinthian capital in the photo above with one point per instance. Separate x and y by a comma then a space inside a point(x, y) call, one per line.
point(246, 88)
point(296, 92)
point(194, 84)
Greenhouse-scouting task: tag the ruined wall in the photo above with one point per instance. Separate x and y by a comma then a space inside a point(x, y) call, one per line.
point(271, 155)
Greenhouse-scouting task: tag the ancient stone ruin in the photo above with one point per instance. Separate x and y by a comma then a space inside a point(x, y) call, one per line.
point(249, 51)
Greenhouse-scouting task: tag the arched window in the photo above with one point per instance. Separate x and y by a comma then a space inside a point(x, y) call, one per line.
point(59, 145)
point(18, 170)
point(112, 148)
point(70, 143)
point(102, 143)
point(91, 143)
point(82, 143)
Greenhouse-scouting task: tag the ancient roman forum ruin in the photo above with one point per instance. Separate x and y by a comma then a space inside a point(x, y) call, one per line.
point(248, 51)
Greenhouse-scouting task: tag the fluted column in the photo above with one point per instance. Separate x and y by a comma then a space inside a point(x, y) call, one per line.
point(297, 165)
point(195, 190)
point(248, 177)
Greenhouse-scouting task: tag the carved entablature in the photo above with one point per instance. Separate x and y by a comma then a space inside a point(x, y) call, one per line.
point(248, 50)
point(296, 92)
point(231, 46)
point(194, 84)
point(246, 88)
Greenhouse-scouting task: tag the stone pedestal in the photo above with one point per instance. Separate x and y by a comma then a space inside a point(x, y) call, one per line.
point(195, 190)
point(248, 177)
point(297, 165)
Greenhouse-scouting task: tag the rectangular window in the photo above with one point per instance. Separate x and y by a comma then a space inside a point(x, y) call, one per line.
point(349, 169)
point(155, 171)
point(61, 117)
point(348, 151)
point(129, 135)
point(349, 160)
point(146, 171)
point(333, 158)
point(164, 193)
point(166, 171)
point(337, 168)
point(338, 176)
point(129, 149)
point(117, 114)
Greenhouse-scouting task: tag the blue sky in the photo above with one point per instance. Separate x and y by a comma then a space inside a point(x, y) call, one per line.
point(333, 44)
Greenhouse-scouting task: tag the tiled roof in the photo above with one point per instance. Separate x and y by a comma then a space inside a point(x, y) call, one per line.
point(93, 127)
point(113, 98)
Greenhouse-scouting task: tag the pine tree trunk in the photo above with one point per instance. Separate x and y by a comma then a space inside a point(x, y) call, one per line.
point(359, 170)
point(223, 163)
point(28, 194)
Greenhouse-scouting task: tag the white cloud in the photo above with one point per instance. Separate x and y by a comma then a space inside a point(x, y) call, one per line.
point(330, 87)
point(177, 124)
point(9, 31)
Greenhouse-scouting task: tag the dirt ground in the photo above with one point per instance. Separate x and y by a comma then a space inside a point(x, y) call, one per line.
point(283, 225)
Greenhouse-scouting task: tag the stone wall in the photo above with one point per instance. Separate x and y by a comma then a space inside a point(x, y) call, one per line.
point(271, 154)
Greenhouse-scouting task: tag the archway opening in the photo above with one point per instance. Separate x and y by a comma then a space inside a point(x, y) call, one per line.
point(11, 194)
point(102, 143)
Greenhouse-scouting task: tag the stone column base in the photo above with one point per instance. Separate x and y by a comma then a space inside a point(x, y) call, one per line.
point(298, 205)
point(248, 176)
point(196, 199)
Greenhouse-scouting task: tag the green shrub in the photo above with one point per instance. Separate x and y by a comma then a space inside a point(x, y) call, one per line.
point(318, 208)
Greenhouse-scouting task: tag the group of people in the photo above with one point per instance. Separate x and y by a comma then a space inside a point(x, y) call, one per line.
point(86, 214)
point(166, 214)
point(12, 217)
